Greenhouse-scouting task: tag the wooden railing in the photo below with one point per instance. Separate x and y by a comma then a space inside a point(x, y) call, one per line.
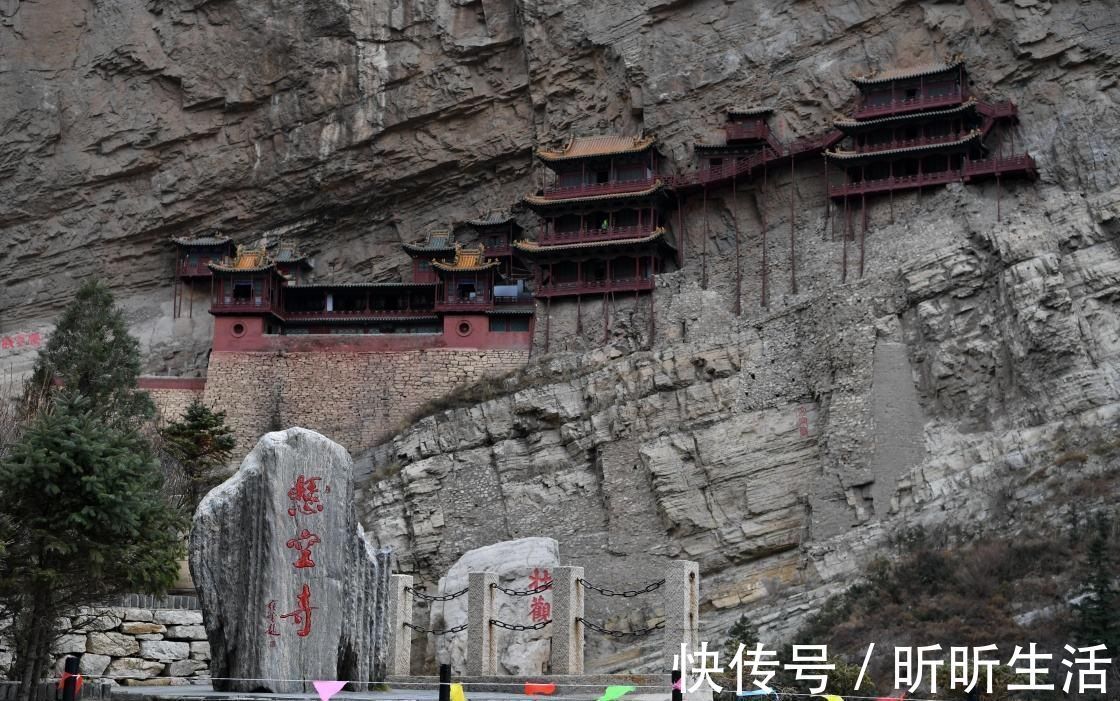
point(188, 269)
point(908, 105)
point(1010, 165)
point(254, 306)
point(611, 233)
point(575, 287)
point(745, 166)
point(909, 143)
point(342, 315)
point(591, 190)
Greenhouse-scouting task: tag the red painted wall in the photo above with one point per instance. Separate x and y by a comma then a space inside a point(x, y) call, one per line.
point(246, 335)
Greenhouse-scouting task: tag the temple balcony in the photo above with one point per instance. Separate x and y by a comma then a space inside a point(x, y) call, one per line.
point(194, 269)
point(598, 189)
point(909, 143)
point(1011, 165)
point(243, 306)
point(612, 233)
point(355, 315)
point(755, 130)
point(478, 303)
point(594, 287)
point(922, 102)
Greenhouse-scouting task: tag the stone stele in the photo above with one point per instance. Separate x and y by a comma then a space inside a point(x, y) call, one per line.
point(519, 564)
point(289, 587)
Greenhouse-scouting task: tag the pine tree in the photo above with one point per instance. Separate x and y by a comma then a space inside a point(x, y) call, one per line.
point(199, 443)
point(1098, 613)
point(88, 523)
point(91, 352)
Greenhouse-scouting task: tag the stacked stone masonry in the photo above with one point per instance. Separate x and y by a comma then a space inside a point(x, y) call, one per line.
point(131, 646)
point(355, 399)
point(172, 403)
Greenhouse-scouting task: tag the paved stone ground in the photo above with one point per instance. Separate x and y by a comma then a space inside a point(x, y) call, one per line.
point(206, 693)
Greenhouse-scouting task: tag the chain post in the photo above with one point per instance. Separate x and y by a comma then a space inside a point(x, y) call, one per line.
point(445, 682)
point(400, 618)
point(566, 656)
point(481, 655)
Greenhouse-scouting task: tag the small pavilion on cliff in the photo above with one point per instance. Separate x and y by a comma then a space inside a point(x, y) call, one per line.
point(497, 231)
point(602, 228)
point(914, 128)
point(192, 254)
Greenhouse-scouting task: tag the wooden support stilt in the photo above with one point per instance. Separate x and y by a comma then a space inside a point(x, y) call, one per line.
point(680, 232)
point(844, 256)
point(863, 232)
point(704, 254)
point(827, 197)
point(190, 302)
point(738, 255)
point(652, 306)
point(547, 323)
point(579, 314)
point(765, 300)
point(606, 318)
point(792, 226)
point(999, 192)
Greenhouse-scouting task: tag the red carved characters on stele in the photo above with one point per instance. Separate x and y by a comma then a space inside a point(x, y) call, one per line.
point(304, 497)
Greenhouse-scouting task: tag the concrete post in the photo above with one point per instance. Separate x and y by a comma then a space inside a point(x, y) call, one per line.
point(481, 655)
point(400, 636)
point(682, 610)
point(567, 632)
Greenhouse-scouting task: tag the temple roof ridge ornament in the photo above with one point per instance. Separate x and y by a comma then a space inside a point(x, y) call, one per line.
point(918, 71)
point(467, 259)
point(207, 241)
point(849, 122)
point(597, 146)
point(757, 111)
point(491, 218)
point(656, 186)
point(244, 260)
point(973, 135)
point(434, 240)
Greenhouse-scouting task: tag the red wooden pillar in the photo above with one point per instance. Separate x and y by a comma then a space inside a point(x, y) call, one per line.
point(704, 244)
point(738, 258)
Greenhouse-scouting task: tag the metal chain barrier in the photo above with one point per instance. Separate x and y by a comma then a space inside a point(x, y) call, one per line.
point(625, 594)
point(528, 592)
point(427, 597)
point(515, 626)
point(616, 634)
point(456, 629)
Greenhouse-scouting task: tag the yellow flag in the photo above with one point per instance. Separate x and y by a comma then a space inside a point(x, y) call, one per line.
point(826, 697)
point(457, 693)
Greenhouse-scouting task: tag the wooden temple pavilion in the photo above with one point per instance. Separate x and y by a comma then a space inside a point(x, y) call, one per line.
point(497, 231)
point(192, 255)
point(918, 127)
point(602, 221)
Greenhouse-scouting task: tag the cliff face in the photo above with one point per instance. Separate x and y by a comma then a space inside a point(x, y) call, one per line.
point(776, 447)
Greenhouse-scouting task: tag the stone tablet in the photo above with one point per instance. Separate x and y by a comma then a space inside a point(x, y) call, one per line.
point(289, 587)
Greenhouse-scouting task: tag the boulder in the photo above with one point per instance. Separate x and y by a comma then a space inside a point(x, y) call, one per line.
point(93, 665)
point(134, 668)
point(186, 633)
point(143, 615)
point(288, 584)
point(112, 644)
point(200, 651)
point(519, 565)
point(68, 644)
point(132, 628)
point(177, 617)
point(89, 619)
point(164, 650)
point(184, 668)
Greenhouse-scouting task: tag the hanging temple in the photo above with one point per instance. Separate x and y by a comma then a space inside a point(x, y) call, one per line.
point(605, 225)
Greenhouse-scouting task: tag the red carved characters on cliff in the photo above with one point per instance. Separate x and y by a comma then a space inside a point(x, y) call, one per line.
point(303, 543)
point(301, 615)
point(304, 496)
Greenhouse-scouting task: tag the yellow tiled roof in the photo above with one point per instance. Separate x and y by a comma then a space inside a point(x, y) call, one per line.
point(588, 146)
point(467, 259)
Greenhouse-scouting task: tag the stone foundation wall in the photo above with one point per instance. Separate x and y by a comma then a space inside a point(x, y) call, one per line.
point(355, 399)
point(172, 395)
point(132, 646)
